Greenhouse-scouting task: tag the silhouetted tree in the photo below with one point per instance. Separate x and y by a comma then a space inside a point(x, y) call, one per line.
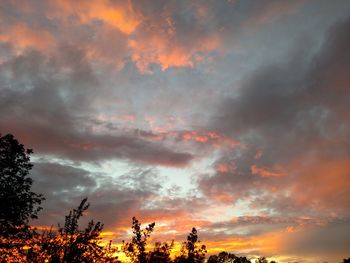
point(222, 257)
point(72, 245)
point(192, 251)
point(161, 253)
point(18, 204)
point(241, 260)
point(262, 260)
point(136, 249)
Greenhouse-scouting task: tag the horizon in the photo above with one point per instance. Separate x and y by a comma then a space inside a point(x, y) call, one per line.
point(232, 117)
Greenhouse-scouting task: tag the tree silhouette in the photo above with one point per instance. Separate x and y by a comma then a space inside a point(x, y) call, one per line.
point(262, 260)
point(222, 257)
point(18, 204)
point(74, 245)
point(136, 249)
point(67, 245)
point(161, 253)
point(192, 251)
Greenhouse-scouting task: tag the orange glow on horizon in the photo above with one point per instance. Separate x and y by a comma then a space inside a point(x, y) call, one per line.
point(268, 244)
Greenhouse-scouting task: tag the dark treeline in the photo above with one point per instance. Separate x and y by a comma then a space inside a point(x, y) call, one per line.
point(19, 242)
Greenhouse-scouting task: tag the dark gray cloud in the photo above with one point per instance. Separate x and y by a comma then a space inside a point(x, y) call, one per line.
point(48, 110)
point(54, 178)
point(253, 226)
point(63, 186)
point(296, 113)
point(282, 98)
point(114, 199)
point(327, 242)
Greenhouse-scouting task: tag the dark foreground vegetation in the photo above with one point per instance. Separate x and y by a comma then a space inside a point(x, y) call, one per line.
point(19, 242)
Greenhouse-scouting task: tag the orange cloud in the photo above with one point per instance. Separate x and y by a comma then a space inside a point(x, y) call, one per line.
point(195, 137)
point(215, 138)
point(223, 197)
point(164, 49)
point(323, 183)
point(144, 39)
point(163, 41)
point(210, 138)
point(118, 14)
point(22, 36)
point(265, 172)
point(267, 244)
point(225, 167)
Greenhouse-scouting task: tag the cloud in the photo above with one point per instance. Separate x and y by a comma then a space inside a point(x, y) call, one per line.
point(117, 31)
point(66, 98)
point(25, 37)
point(265, 13)
point(52, 177)
point(60, 184)
point(118, 197)
point(148, 33)
point(114, 199)
point(173, 35)
point(325, 243)
point(199, 138)
point(264, 172)
point(119, 14)
point(295, 113)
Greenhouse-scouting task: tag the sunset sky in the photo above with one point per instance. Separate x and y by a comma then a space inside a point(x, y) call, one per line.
point(230, 116)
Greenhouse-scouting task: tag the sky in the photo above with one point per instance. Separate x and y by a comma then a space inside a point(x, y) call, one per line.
point(229, 116)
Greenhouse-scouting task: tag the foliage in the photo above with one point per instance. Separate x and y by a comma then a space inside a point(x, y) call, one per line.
point(222, 257)
point(136, 249)
point(161, 253)
point(69, 244)
point(18, 204)
point(262, 260)
point(192, 251)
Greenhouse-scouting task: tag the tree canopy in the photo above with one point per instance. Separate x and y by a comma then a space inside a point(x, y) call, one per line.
point(18, 204)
